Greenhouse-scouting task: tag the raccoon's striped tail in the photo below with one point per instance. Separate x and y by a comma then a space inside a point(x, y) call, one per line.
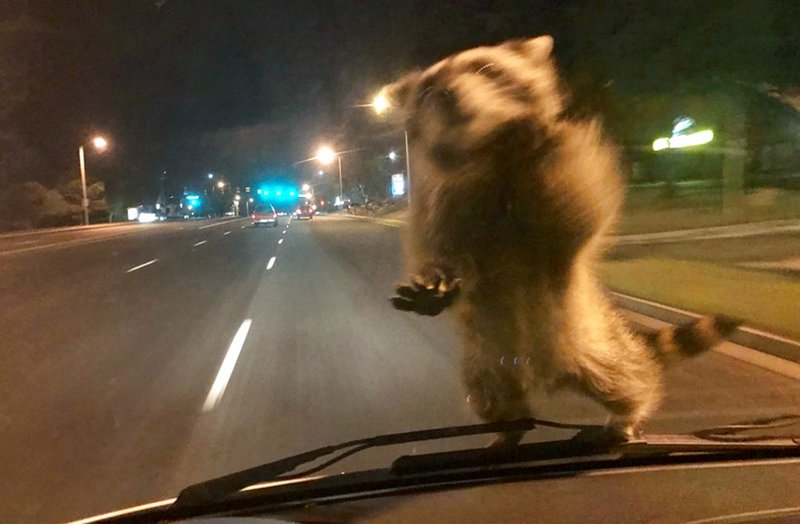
point(691, 339)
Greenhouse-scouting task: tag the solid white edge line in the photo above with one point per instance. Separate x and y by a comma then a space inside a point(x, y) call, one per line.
point(754, 357)
point(200, 243)
point(140, 266)
point(778, 365)
point(226, 368)
point(271, 263)
point(280, 241)
point(696, 315)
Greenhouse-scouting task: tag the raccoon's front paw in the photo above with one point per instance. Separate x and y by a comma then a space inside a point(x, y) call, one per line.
point(430, 292)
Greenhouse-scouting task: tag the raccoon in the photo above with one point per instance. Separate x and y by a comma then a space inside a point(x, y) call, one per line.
point(512, 204)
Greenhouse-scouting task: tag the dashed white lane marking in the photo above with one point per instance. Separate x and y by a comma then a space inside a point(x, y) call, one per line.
point(140, 266)
point(221, 223)
point(271, 263)
point(280, 241)
point(226, 233)
point(283, 232)
point(200, 243)
point(244, 226)
point(226, 369)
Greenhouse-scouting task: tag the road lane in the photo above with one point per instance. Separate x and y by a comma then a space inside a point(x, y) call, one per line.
point(110, 373)
point(49, 239)
point(105, 373)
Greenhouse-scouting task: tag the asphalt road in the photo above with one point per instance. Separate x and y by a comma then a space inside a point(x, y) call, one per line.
point(139, 359)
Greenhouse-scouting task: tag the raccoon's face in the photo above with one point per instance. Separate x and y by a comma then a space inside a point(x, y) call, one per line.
point(473, 101)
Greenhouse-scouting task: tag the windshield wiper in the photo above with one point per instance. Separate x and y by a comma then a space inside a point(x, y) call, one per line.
point(221, 487)
point(590, 440)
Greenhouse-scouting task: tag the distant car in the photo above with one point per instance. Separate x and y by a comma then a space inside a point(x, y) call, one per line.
point(265, 214)
point(304, 212)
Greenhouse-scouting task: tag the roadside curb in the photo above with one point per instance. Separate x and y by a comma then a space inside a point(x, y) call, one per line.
point(391, 222)
point(48, 230)
point(772, 344)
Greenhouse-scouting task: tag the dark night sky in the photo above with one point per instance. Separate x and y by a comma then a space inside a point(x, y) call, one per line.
point(236, 88)
point(239, 88)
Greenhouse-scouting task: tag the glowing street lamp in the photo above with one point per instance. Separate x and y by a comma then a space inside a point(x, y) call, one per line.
point(326, 156)
point(210, 176)
point(221, 184)
point(100, 144)
point(306, 187)
point(380, 103)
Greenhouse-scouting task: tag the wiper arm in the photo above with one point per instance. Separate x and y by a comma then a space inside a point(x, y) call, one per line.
point(221, 487)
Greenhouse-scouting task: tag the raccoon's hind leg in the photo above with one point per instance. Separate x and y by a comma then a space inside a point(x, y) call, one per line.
point(494, 380)
point(629, 389)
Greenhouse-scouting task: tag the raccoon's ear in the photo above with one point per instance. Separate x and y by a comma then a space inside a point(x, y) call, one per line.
point(537, 49)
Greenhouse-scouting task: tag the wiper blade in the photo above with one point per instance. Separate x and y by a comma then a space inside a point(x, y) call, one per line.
point(221, 487)
point(590, 440)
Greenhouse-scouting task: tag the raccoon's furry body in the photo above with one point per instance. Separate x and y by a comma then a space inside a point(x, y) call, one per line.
point(510, 207)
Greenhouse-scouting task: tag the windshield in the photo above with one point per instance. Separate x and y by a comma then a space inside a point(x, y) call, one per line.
point(515, 231)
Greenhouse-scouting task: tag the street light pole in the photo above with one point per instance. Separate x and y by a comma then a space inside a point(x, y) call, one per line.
point(380, 104)
point(408, 169)
point(341, 195)
point(85, 199)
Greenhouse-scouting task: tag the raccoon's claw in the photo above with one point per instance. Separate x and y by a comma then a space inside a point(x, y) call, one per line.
point(604, 435)
point(507, 440)
point(427, 294)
